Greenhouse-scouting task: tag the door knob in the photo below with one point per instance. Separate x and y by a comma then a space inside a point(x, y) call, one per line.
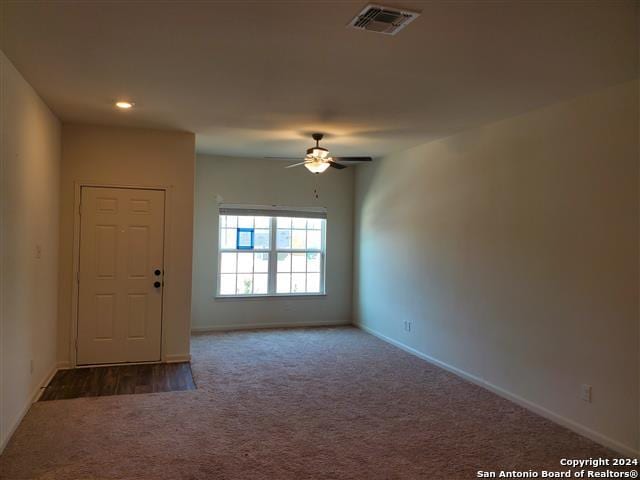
point(157, 272)
point(157, 284)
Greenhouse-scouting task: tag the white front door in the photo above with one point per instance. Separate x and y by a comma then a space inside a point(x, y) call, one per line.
point(120, 276)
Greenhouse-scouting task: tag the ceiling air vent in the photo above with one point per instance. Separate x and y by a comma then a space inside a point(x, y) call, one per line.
point(377, 18)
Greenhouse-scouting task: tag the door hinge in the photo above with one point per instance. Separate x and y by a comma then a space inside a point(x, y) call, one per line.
point(78, 276)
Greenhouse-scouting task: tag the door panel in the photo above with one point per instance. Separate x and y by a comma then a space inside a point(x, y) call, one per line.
point(137, 315)
point(106, 250)
point(121, 245)
point(105, 312)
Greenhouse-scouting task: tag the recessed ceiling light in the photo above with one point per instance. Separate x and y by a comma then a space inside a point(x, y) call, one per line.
point(124, 105)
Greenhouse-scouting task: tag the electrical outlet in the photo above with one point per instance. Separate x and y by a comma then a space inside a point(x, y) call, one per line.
point(38, 252)
point(585, 392)
point(407, 325)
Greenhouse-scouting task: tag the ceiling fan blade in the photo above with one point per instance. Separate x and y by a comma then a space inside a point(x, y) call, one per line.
point(352, 159)
point(295, 165)
point(283, 158)
point(336, 165)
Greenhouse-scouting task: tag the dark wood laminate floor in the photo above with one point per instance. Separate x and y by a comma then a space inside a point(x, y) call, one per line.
point(119, 380)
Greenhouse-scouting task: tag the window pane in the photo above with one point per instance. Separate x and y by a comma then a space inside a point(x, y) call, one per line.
point(245, 239)
point(263, 222)
point(283, 239)
point(284, 262)
point(284, 222)
point(283, 283)
point(232, 221)
point(232, 237)
point(261, 239)
point(223, 221)
point(245, 262)
point(228, 262)
point(314, 239)
point(244, 284)
point(227, 284)
point(261, 262)
point(298, 262)
point(313, 262)
point(313, 282)
point(228, 238)
point(298, 282)
point(245, 222)
point(314, 223)
point(298, 239)
point(299, 223)
point(261, 283)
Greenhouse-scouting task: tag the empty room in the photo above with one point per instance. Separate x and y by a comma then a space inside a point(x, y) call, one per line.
point(319, 239)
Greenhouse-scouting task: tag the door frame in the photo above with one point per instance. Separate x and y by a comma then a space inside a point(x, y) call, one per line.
point(75, 297)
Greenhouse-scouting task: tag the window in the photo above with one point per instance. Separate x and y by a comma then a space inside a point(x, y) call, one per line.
point(272, 253)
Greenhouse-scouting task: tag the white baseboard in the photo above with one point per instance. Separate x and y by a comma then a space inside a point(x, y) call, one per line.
point(33, 398)
point(182, 357)
point(256, 326)
point(534, 407)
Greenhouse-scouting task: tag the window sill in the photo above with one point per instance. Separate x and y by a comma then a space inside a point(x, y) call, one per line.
point(285, 296)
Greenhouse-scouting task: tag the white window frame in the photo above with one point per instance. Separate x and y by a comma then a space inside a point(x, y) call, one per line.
point(273, 253)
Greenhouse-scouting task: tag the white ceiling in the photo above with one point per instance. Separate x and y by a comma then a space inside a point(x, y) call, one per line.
point(254, 78)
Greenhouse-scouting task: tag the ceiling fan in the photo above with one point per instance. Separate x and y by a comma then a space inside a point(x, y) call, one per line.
point(318, 159)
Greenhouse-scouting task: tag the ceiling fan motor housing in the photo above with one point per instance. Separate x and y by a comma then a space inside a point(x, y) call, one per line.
point(318, 152)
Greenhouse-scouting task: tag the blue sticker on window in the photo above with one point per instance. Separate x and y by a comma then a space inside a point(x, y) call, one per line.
point(244, 239)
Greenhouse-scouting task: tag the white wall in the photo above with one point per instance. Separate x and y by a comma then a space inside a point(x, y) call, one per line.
point(263, 182)
point(513, 250)
point(133, 157)
point(29, 176)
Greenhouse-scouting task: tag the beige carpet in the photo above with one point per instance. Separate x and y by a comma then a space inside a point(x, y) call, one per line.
point(330, 403)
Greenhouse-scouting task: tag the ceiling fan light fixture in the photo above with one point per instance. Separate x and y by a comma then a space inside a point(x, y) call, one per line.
point(319, 152)
point(316, 166)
